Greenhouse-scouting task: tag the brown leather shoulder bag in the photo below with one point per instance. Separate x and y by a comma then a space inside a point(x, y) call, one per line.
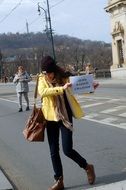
point(36, 123)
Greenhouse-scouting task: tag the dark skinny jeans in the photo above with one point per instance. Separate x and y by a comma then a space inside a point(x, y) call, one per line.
point(53, 129)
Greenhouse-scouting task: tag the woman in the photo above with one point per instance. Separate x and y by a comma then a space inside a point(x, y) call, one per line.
point(57, 106)
point(21, 80)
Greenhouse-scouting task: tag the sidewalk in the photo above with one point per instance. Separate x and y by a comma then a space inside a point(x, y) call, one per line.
point(113, 186)
point(4, 182)
point(111, 81)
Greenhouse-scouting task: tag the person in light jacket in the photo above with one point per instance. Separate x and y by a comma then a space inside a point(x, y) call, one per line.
point(89, 69)
point(21, 80)
point(59, 106)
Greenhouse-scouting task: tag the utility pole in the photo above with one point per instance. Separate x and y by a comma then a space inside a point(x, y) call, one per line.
point(48, 21)
point(1, 65)
point(46, 16)
point(50, 29)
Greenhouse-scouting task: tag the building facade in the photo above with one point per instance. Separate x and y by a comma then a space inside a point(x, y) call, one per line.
point(117, 10)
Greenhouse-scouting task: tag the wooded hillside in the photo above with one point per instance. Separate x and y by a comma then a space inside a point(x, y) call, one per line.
point(28, 49)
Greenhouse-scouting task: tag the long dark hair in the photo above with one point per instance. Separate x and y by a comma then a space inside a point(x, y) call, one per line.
point(50, 65)
point(61, 74)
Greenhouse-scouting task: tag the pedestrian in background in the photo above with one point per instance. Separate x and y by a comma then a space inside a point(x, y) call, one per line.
point(21, 80)
point(89, 69)
point(59, 106)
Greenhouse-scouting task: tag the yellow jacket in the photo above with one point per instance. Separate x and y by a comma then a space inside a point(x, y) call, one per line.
point(48, 100)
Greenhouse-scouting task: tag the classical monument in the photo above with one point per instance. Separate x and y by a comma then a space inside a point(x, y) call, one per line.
point(117, 10)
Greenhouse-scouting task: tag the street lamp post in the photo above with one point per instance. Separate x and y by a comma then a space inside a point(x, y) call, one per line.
point(48, 20)
point(46, 17)
point(50, 29)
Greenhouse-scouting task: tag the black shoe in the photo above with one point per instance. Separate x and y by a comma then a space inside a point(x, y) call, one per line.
point(27, 108)
point(20, 110)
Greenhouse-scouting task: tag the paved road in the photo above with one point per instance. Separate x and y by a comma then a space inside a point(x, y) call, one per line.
point(100, 139)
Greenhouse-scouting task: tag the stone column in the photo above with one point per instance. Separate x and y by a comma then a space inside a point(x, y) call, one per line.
point(117, 10)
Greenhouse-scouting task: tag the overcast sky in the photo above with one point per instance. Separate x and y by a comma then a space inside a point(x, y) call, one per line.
point(84, 19)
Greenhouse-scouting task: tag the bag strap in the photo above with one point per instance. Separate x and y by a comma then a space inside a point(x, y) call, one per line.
point(36, 90)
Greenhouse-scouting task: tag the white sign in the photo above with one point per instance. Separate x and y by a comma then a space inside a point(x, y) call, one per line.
point(82, 84)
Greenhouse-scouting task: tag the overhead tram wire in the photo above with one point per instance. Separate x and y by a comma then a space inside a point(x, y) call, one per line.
point(36, 19)
point(1, 2)
point(12, 10)
point(56, 4)
point(6, 16)
point(50, 28)
point(17, 5)
point(32, 22)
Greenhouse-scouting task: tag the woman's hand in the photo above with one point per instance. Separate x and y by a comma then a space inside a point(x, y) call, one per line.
point(68, 84)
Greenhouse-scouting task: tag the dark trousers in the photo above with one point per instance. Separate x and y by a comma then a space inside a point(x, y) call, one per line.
point(53, 129)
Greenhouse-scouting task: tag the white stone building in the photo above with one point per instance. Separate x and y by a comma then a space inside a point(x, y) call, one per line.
point(117, 10)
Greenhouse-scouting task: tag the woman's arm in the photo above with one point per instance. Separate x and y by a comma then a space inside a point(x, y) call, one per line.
point(44, 90)
point(16, 79)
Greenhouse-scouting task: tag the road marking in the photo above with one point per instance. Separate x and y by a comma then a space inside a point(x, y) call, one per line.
point(113, 109)
point(122, 114)
point(81, 101)
point(113, 100)
point(120, 125)
point(91, 105)
point(91, 116)
point(92, 98)
point(24, 103)
point(109, 119)
point(9, 100)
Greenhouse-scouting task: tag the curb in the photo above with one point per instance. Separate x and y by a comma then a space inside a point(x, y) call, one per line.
point(113, 186)
point(5, 183)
